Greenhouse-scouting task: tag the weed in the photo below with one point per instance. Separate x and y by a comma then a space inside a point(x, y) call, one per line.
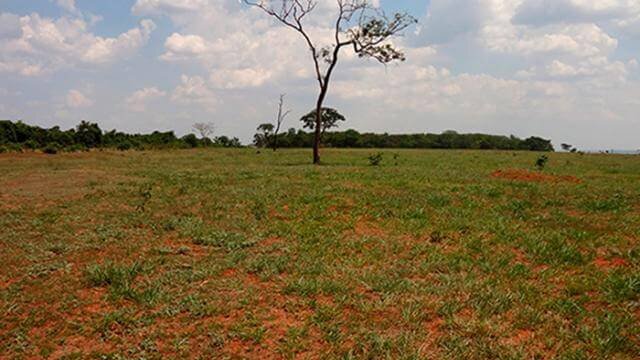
point(145, 194)
point(541, 162)
point(375, 159)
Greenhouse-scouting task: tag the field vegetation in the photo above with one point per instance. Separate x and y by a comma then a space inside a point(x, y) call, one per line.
point(403, 254)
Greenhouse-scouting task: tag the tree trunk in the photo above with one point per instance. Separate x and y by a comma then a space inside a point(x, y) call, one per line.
point(318, 133)
point(317, 136)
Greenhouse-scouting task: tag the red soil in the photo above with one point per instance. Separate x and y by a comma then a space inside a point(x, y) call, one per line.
point(601, 263)
point(530, 176)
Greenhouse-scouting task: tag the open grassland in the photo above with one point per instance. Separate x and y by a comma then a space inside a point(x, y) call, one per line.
point(233, 254)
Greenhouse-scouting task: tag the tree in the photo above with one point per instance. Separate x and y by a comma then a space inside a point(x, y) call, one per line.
point(88, 134)
point(566, 147)
point(190, 140)
point(358, 25)
point(281, 116)
point(264, 136)
point(204, 129)
point(329, 116)
point(537, 144)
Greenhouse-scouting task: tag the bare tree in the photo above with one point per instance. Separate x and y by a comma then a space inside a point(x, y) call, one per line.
point(281, 116)
point(359, 25)
point(204, 129)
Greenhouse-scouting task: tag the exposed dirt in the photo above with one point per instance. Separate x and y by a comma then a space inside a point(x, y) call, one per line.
point(605, 264)
point(367, 228)
point(520, 337)
point(530, 176)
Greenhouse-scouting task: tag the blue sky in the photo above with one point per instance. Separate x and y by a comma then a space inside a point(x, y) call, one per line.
point(565, 70)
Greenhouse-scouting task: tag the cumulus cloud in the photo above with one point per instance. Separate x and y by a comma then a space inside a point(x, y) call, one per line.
point(139, 99)
point(38, 45)
point(194, 91)
point(531, 67)
point(76, 99)
point(68, 5)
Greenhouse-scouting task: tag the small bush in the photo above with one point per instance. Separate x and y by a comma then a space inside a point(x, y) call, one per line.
point(51, 149)
point(3, 149)
point(541, 162)
point(124, 146)
point(30, 145)
point(375, 159)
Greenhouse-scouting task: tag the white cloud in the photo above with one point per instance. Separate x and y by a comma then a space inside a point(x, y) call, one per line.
point(76, 99)
point(139, 99)
point(42, 45)
point(184, 47)
point(68, 5)
point(160, 6)
point(194, 90)
point(563, 68)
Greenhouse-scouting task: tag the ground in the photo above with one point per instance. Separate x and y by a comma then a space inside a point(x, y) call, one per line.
point(238, 254)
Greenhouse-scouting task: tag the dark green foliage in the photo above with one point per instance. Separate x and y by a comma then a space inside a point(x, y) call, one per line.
point(51, 148)
point(15, 136)
point(124, 146)
point(88, 134)
point(541, 162)
point(191, 140)
point(447, 140)
point(330, 119)
point(265, 135)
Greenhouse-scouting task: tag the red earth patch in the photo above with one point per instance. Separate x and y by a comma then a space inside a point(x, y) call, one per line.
point(530, 176)
point(601, 263)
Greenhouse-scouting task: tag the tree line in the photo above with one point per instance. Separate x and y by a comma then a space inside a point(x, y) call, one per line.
point(17, 136)
point(448, 140)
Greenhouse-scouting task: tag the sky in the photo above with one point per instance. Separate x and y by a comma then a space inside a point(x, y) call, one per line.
point(566, 70)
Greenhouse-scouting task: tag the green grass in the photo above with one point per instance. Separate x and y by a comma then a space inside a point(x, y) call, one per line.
point(233, 254)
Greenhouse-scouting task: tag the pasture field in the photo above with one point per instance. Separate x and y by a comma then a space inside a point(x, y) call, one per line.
point(233, 254)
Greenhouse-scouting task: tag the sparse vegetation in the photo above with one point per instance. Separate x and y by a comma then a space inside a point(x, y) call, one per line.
point(219, 253)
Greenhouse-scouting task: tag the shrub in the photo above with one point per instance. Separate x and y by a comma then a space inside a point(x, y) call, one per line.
point(3, 149)
point(541, 162)
point(375, 159)
point(51, 148)
point(13, 148)
point(124, 146)
point(30, 145)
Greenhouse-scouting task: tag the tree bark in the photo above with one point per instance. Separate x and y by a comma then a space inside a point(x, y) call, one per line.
point(316, 139)
point(318, 131)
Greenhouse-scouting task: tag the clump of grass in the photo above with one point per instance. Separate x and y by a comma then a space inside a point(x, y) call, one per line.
point(622, 287)
point(119, 278)
point(110, 274)
point(614, 203)
point(248, 329)
point(609, 336)
point(268, 265)
point(375, 159)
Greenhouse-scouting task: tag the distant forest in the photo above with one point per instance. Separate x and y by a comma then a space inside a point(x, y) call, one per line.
point(18, 136)
point(447, 140)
